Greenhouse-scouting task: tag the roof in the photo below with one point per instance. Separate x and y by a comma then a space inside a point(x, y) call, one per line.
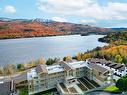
point(70, 61)
point(20, 78)
point(41, 69)
point(120, 67)
point(98, 68)
point(17, 78)
point(111, 64)
point(108, 63)
point(65, 65)
point(54, 69)
point(61, 66)
point(96, 60)
point(6, 88)
point(77, 64)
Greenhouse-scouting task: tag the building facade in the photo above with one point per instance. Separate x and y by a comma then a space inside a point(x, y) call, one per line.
point(45, 77)
point(118, 69)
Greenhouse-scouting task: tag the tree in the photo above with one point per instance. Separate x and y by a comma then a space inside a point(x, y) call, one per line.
point(118, 59)
point(122, 84)
point(20, 66)
point(31, 64)
point(51, 61)
point(9, 69)
point(1, 71)
point(67, 58)
point(41, 61)
point(79, 56)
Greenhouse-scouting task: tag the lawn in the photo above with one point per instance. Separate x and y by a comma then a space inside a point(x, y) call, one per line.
point(112, 89)
point(23, 91)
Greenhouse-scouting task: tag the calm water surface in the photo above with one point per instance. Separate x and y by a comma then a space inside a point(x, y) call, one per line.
point(15, 51)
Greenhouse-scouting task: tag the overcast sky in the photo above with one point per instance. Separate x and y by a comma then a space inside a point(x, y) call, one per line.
point(103, 13)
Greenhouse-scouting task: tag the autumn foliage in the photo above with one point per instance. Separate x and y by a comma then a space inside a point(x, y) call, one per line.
point(21, 29)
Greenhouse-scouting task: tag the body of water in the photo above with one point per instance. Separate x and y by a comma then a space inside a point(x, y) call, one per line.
point(13, 51)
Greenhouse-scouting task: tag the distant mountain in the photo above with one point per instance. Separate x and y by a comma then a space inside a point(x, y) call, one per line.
point(119, 29)
point(72, 28)
point(10, 20)
point(18, 28)
point(24, 28)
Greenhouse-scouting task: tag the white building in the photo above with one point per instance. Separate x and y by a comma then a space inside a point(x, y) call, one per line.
point(45, 77)
point(118, 69)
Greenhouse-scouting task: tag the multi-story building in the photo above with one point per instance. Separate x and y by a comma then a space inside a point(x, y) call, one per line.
point(45, 77)
point(118, 69)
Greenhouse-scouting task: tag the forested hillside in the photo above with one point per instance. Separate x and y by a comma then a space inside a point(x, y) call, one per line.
point(116, 50)
point(21, 29)
point(113, 37)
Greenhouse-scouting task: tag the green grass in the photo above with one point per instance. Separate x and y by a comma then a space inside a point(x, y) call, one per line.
point(23, 91)
point(112, 89)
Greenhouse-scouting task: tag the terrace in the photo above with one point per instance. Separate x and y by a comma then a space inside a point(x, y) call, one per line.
point(77, 64)
point(54, 69)
point(82, 86)
point(87, 83)
point(64, 88)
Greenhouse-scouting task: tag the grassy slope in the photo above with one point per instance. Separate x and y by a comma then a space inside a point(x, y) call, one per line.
point(112, 89)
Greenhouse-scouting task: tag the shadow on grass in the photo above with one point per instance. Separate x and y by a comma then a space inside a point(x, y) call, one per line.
point(48, 92)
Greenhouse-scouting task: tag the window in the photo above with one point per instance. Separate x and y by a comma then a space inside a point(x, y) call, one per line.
point(100, 73)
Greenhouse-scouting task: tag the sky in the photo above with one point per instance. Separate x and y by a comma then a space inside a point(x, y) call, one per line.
point(101, 13)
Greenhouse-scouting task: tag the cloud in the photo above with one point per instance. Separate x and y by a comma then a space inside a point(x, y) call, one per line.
point(59, 19)
point(9, 9)
point(85, 8)
point(91, 21)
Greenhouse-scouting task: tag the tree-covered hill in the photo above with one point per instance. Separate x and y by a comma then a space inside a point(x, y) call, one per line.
point(20, 28)
point(113, 37)
point(116, 50)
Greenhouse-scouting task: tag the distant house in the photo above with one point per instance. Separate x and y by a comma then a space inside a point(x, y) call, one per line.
point(100, 74)
point(119, 69)
point(20, 80)
point(7, 88)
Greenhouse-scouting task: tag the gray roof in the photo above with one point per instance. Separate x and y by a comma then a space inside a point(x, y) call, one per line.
point(5, 88)
point(65, 65)
point(41, 69)
point(96, 60)
point(111, 64)
point(17, 79)
point(20, 78)
point(98, 68)
point(120, 67)
point(70, 61)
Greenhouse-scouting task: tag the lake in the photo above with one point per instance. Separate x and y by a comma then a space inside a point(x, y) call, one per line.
point(13, 51)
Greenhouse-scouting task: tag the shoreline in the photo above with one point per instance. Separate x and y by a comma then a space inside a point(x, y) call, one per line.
point(54, 36)
point(38, 36)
